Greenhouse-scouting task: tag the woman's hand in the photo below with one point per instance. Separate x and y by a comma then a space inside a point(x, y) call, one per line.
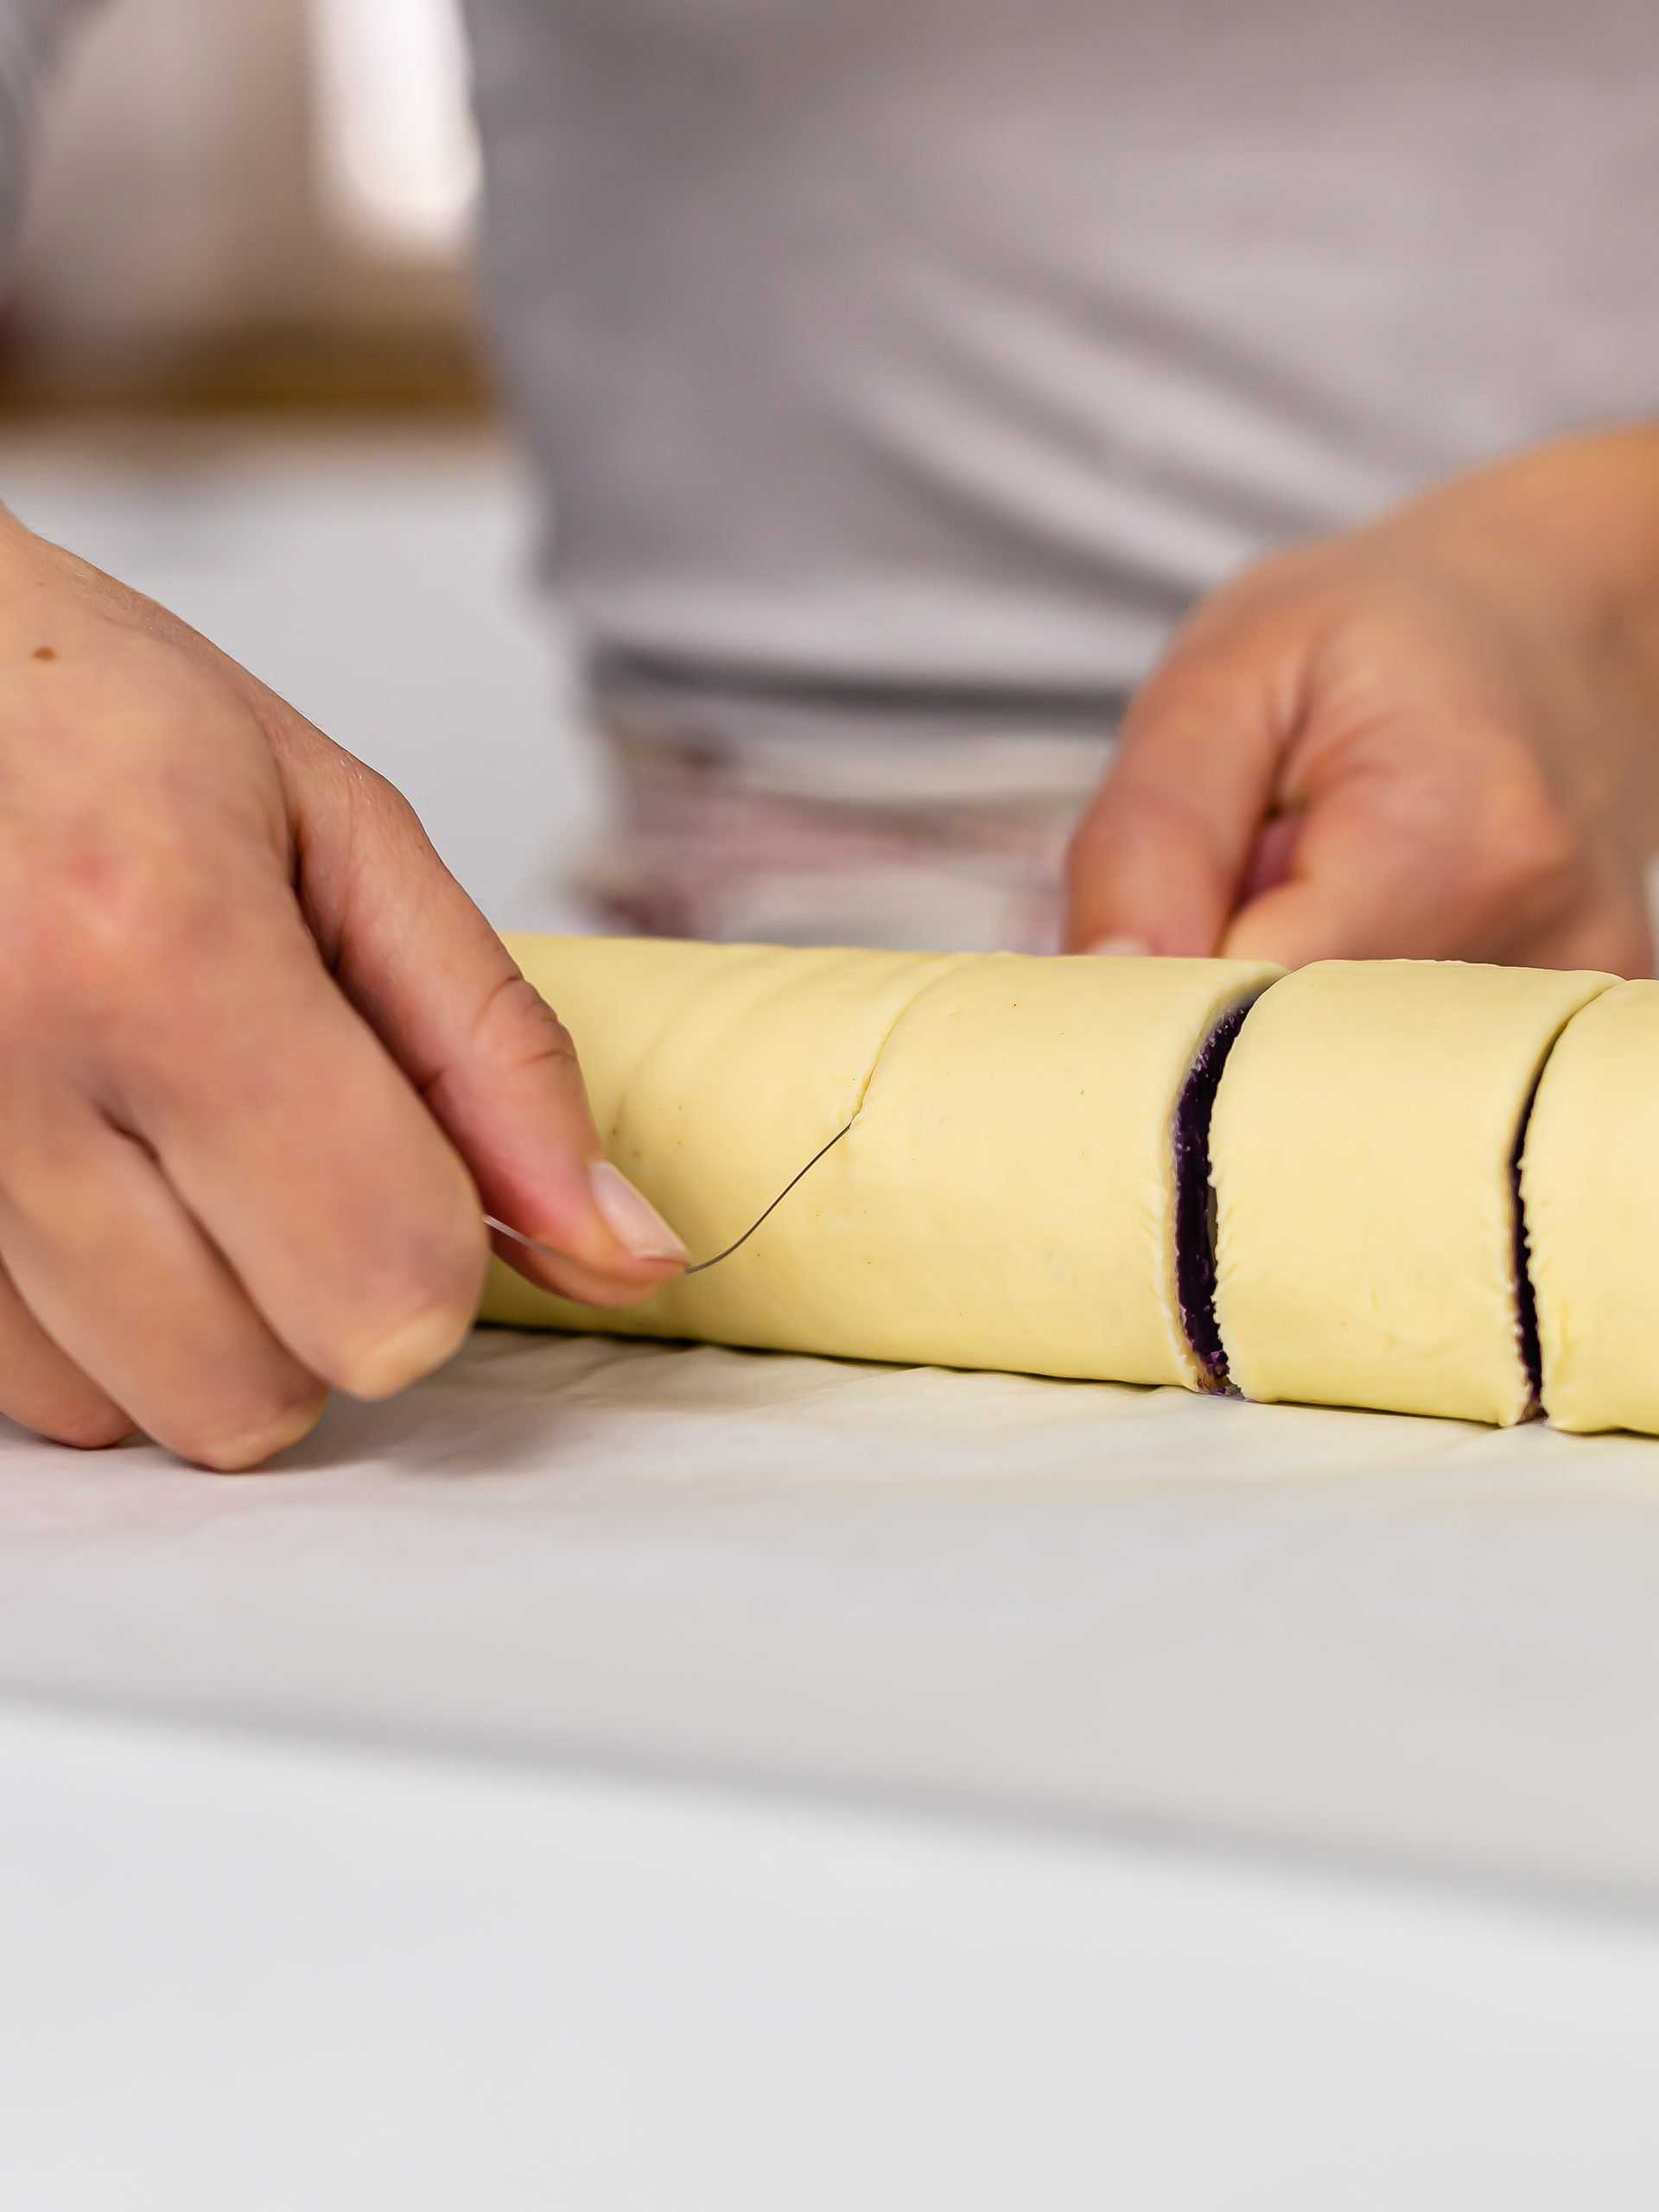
point(263, 1065)
point(1436, 737)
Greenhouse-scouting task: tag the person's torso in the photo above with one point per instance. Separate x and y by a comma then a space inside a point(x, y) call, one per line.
point(960, 343)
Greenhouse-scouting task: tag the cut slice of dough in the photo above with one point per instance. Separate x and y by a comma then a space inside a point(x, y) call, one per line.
point(1005, 1196)
point(1363, 1151)
point(1590, 1183)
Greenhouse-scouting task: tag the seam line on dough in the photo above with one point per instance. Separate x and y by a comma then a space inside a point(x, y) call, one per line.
point(954, 964)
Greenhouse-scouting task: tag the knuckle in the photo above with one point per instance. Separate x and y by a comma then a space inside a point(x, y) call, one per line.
point(107, 919)
point(382, 810)
point(1531, 848)
point(377, 791)
point(517, 1021)
point(143, 900)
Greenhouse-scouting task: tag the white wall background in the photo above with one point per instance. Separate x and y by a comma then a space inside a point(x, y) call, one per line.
point(190, 177)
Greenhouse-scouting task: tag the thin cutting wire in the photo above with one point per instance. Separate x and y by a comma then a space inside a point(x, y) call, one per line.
point(519, 1237)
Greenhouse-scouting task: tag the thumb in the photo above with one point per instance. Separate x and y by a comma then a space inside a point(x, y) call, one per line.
point(1342, 894)
point(489, 1058)
point(1379, 868)
point(1156, 863)
point(1430, 836)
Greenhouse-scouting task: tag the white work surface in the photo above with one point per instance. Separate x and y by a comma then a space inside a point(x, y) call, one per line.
point(638, 1780)
point(1411, 1642)
point(1019, 1664)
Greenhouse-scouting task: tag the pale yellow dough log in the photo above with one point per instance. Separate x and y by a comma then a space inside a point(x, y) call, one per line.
point(1361, 1151)
point(1590, 1183)
point(1005, 1196)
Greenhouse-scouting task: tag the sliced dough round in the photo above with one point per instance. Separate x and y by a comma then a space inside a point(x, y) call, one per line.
point(1363, 1151)
point(1590, 1183)
point(1006, 1196)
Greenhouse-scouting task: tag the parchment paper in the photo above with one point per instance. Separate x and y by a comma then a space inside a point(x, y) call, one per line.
point(1413, 1642)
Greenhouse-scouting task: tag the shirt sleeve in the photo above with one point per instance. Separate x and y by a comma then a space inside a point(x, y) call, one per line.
point(31, 33)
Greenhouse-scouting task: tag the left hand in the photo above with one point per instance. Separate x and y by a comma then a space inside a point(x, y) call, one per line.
point(1436, 737)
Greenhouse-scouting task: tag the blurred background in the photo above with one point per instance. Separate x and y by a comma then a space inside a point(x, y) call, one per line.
point(241, 368)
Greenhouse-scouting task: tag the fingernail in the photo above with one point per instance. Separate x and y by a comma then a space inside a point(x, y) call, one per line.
point(1119, 948)
point(631, 1219)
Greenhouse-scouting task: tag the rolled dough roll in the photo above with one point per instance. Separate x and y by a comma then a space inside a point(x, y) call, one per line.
point(1589, 1183)
point(1362, 1152)
point(1006, 1196)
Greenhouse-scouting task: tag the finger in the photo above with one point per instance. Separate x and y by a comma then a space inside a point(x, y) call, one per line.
point(1351, 904)
point(1272, 858)
point(1157, 860)
point(292, 1136)
point(42, 1390)
point(487, 1055)
point(119, 1277)
point(1432, 844)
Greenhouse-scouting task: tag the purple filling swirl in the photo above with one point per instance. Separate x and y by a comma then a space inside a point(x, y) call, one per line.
point(1526, 1300)
point(1195, 1241)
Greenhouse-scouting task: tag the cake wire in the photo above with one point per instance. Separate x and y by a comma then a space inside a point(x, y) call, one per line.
point(519, 1237)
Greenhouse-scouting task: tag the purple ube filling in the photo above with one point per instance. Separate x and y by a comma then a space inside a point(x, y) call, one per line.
point(1195, 1241)
point(1526, 1300)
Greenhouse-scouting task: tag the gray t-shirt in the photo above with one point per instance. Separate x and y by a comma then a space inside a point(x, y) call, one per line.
point(939, 347)
point(944, 350)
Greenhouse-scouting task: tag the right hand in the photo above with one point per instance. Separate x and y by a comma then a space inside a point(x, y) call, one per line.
point(1433, 738)
point(263, 1066)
